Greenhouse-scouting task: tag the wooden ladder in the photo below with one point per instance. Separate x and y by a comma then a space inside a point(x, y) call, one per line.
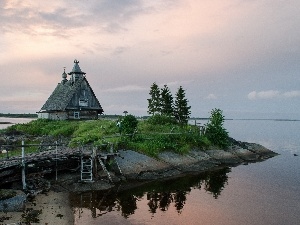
point(86, 169)
point(104, 169)
point(118, 166)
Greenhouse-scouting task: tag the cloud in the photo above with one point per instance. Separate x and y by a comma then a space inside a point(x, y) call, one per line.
point(113, 27)
point(177, 83)
point(128, 88)
point(126, 45)
point(65, 19)
point(263, 94)
point(291, 94)
point(270, 94)
point(211, 96)
point(24, 96)
point(119, 108)
point(120, 50)
point(117, 10)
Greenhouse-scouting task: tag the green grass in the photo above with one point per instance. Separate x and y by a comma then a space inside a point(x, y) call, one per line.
point(150, 139)
point(45, 127)
point(180, 142)
point(96, 132)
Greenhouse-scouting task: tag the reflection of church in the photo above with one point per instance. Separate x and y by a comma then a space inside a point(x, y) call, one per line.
point(72, 99)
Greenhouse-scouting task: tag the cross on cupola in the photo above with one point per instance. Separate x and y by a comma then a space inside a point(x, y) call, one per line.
point(64, 76)
point(76, 72)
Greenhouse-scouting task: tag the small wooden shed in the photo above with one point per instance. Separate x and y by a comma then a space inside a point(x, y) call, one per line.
point(72, 99)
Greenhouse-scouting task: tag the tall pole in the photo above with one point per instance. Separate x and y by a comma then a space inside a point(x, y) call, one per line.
point(56, 160)
point(94, 161)
point(23, 166)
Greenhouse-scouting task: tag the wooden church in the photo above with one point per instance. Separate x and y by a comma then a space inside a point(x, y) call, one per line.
point(72, 99)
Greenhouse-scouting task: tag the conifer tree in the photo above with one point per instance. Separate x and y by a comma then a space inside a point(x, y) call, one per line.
point(215, 130)
point(154, 100)
point(166, 100)
point(181, 109)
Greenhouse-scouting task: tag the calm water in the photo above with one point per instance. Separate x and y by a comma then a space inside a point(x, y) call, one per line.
point(260, 193)
point(13, 121)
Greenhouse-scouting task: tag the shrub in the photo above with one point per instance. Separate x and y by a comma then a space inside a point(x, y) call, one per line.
point(129, 124)
point(215, 131)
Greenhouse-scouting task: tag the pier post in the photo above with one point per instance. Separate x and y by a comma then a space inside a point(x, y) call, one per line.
point(94, 160)
point(23, 167)
point(55, 160)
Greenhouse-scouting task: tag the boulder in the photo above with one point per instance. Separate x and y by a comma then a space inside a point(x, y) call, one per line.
point(132, 163)
point(194, 161)
point(244, 154)
point(224, 157)
point(12, 200)
point(260, 150)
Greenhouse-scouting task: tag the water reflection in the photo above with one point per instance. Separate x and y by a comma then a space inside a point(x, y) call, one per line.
point(159, 195)
point(215, 183)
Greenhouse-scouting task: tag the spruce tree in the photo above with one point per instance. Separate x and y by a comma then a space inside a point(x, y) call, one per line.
point(154, 100)
point(181, 109)
point(166, 100)
point(215, 130)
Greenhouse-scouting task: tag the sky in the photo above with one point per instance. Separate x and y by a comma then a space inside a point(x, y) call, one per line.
point(241, 56)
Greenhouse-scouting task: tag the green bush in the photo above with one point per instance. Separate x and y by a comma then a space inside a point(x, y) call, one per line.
point(129, 124)
point(215, 132)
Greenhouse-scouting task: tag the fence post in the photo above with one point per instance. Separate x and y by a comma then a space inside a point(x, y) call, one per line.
point(23, 166)
point(94, 161)
point(56, 160)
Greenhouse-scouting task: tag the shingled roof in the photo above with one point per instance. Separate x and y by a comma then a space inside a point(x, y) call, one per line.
point(76, 68)
point(60, 98)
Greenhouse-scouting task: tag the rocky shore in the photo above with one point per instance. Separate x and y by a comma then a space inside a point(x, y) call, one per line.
point(137, 168)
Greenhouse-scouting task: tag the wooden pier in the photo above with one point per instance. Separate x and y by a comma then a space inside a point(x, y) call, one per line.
point(84, 160)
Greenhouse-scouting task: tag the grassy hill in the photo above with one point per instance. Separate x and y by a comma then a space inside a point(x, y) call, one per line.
point(150, 136)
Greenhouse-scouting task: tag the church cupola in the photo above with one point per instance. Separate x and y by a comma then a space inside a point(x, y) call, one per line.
point(64, 77)
point(76, 72)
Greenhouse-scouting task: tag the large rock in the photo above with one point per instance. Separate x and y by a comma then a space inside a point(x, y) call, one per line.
point(158, 174)
point(177, 160)
point(260, 150)
point(194, 161)
point(244, 154)
point(132, 163)
point(257, 149)
point(224, 157)
point(14, 202)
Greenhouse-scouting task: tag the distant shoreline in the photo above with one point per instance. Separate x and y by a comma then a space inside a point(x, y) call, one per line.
point(248, 119)
point(18, 115)
point(31, 115)
point(5, 122)
point(268, 119)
